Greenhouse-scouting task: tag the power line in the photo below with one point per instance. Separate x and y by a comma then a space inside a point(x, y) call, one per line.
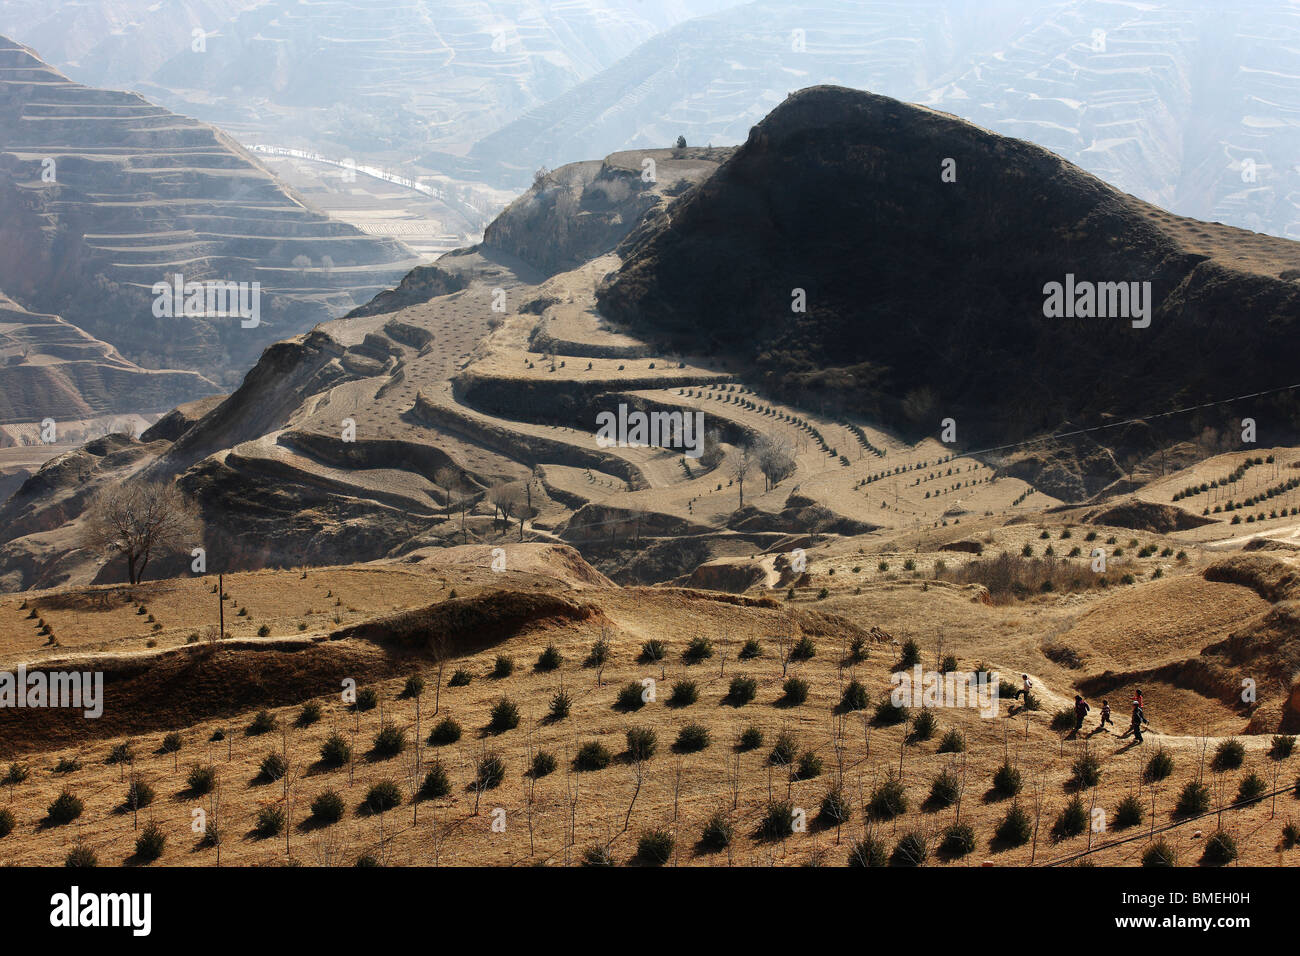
point(1131, 421)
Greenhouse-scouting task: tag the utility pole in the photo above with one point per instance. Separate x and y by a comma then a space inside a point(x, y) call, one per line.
point(221, 609)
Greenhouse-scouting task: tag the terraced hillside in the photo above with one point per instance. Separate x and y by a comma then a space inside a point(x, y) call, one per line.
point(49, 368)
point(449, 398)
point(1166, 100)
point(1170, 101)
point(273, 461)
point(462, 405)
point(680, 650)
point(126, 35)
point(104, 194)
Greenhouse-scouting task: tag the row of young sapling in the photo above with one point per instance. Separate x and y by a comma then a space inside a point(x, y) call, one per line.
point(785, 763)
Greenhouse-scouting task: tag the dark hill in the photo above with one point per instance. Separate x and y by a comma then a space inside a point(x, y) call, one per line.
point(925, 298)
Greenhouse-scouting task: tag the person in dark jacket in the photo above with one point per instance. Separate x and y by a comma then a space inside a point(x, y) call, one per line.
point(1081, 709)
point(1135, 727)
point(1026, 686)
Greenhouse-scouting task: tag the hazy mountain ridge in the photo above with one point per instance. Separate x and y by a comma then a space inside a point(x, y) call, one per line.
point(350, 75)
point(1166, 100)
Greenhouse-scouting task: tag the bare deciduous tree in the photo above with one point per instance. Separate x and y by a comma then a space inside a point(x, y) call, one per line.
point(328, 848)
point(448, 479)
point(740, 464)
point(1039, 793)
point(677, 786)
point(638, 778)
point(293, 772)
point(438, 834)
point(571, 784)
point(506, 497)
point(460, 493)
point(775, 460)
point(733, 778)
point(785, 647)
point(636, 512)
point(139, 519)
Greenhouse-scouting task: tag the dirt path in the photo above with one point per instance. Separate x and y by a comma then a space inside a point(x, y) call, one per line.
point(1052, 702)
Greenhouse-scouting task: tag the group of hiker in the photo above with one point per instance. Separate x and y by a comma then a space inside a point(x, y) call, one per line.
point(1081, 710)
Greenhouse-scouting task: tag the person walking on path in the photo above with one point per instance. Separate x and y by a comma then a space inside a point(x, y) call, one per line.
point(1025, 687)
point(1105, 715)
point(1135, 727)
point(1081, 709)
